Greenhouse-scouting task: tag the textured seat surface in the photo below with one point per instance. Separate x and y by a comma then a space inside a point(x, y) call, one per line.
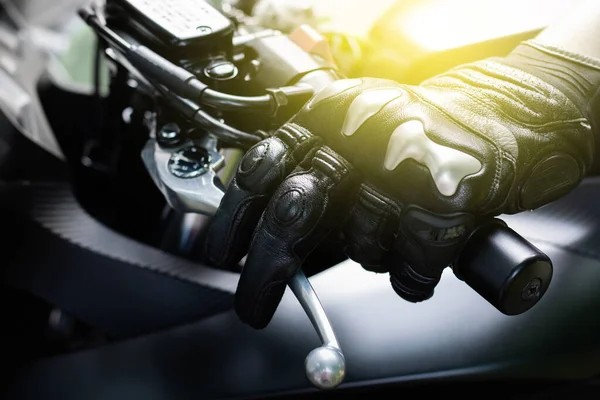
point(58, 252)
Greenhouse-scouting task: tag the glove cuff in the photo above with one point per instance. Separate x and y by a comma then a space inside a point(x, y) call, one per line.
point(575, 75)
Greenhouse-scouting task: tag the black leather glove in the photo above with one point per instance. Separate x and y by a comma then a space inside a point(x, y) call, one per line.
point(403, 172)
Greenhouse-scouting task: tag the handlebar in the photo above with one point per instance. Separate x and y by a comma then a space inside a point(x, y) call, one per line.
point(186, 84)
point(504, 268)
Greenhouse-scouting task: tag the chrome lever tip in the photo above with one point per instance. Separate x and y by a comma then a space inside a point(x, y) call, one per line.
point(325, 367)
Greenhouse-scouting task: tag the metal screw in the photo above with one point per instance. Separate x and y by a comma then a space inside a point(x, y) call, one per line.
point(204, 30)
point(169, 134)
point(189, 162)
point(532, 290)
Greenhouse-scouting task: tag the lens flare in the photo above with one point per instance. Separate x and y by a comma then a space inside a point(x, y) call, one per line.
point(446, 24)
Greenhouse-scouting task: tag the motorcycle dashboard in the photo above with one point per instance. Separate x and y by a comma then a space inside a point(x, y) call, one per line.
point(178, 21)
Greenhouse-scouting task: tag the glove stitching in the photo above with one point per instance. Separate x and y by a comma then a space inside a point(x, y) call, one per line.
point(381, 222)
point(495, 69)
point(561, 53)
point(577, 122)
point(238, 213)
point(259, 309)
point(338, 173)
point(376, 199)
point(319, 219)
point(306, 149)
point(298, 136)
point(471, 80)
point(257, 160)
point(379, 85)
point(302, 205)
point(465, 87)
point(555, 72)
point(311, 105)
point(382, 210)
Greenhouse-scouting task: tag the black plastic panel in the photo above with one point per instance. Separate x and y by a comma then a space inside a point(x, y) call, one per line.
point(57, 252)
point(454, 336)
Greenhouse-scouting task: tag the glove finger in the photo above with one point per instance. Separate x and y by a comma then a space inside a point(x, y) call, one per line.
point(426, 244)
point(260, 172)
point(303, 210)
point(370, 229)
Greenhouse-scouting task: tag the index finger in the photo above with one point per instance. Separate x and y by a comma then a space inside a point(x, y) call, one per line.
point(260, 172)
point(302, 211)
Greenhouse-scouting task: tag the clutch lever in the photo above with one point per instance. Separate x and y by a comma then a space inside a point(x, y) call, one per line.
point(325, 366)
point(185, 174)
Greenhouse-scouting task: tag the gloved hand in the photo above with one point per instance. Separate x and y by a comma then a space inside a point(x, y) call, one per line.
point(403, 172)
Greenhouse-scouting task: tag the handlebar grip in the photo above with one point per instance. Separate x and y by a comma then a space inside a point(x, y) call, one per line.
point(504, 268)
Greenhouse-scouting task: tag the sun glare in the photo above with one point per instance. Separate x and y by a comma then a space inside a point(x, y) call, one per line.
point(446, 24)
